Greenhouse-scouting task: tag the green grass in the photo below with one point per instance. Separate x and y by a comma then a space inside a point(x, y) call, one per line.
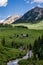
point(31, 26)
point(30, 62)
point(7, 53)
point(32, 35)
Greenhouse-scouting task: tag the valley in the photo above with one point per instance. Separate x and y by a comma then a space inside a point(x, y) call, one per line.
point(13, 41)
point(21, 35)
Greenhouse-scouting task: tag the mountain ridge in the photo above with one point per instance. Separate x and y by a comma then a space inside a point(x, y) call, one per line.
point(33, 15)
point(11, 19)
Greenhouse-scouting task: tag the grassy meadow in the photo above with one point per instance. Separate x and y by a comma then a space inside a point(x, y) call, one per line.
point(13, 32)
point(7, 52)
point(37, 26)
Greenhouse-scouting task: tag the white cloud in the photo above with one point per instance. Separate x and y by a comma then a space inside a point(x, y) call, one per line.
point(8, 16)
point(27, 1)
point(3, 3)
point(1, 21)
point(24, 0)
point(39, 5)
point(38, 1)
point(33, 1)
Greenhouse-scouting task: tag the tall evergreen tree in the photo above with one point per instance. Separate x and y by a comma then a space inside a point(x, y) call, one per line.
point(38, 48)
point(30, 47)
point(3, 41)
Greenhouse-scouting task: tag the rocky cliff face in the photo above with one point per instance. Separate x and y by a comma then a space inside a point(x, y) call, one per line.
point(11, 19)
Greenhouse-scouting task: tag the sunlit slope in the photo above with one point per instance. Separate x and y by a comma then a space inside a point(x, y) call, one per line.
point(31, 26)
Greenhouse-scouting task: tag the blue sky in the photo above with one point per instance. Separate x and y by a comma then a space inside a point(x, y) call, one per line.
point(17, 7)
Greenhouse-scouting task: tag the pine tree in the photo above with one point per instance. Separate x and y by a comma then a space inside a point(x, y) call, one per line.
point(3, 41)
point(30, 47)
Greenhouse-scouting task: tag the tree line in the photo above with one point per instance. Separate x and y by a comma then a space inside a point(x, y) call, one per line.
point(37, 48)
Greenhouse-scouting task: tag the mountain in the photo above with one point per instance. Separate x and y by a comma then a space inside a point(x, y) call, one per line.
point(11, 19)
point(32, 16)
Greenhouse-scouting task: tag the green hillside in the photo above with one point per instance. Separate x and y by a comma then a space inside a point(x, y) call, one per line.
point(7, 54)
point(7, 50)
point(10, 34)
point(31, 26)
